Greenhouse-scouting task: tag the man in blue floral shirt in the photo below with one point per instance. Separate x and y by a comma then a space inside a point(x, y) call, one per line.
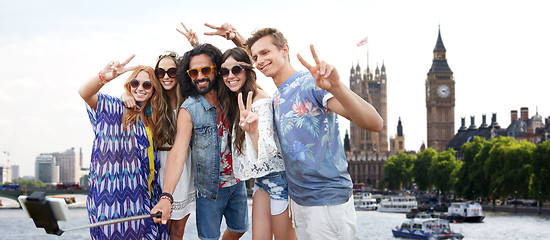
point(305, 107)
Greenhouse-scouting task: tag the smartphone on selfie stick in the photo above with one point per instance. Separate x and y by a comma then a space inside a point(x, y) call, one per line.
point(45, 212)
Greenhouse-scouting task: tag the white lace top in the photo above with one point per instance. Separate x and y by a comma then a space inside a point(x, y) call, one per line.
point(269, 158)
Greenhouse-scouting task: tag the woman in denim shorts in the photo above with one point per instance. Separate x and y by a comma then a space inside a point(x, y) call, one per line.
point(255, 145)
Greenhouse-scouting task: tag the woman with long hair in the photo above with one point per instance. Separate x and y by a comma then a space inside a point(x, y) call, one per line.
point(123, 169)
point(255, 145)
point(171, 99)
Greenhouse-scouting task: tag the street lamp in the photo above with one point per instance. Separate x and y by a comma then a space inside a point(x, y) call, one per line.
point(493, 200)
point(516, 202)
point(540, 203)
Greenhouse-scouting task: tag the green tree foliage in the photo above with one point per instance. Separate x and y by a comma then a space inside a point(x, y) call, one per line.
point(420, 169)
point(442, 171)
point(509, 166)
point(398, 171)
point(539, 184)
point(29, 183)
point(470, 175)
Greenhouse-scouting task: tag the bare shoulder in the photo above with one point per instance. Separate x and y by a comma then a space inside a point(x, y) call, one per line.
point(260, 94)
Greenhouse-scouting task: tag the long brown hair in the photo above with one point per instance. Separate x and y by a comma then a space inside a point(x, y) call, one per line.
point(131, 116)
point(166, 124)
point(228, 98)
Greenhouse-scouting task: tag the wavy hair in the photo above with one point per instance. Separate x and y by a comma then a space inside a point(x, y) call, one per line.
point(165, 127)
point(228, 98)
point(278, 38)
point(131, 116)
point(185, 82)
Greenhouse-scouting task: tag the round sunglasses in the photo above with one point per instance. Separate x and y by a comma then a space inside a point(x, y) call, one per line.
point(236, 70)
point(194, 72)
point(160, 73)
point(146, 84)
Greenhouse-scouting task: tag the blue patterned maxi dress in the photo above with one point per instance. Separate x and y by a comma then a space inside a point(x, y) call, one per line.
point(119, 173)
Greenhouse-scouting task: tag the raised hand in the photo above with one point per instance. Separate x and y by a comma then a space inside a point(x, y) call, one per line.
point(248, 120)
point(325, 75)
point(226, 30)
point(116, 68)
point(190, 35)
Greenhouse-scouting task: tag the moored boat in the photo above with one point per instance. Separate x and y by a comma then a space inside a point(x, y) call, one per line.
point(398, 204)
point(465, 212)
point(423, 226)
point(364, 201)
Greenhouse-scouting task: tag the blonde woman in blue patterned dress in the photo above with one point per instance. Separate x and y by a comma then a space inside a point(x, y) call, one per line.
point(184, 194)
point(123, 169)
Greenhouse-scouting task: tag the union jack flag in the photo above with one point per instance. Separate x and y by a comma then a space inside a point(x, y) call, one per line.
point(362, 42)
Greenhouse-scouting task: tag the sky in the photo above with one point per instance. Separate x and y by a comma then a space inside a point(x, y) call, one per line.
point(498, 50)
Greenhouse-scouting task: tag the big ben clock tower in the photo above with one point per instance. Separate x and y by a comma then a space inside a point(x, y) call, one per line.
point(440, 99)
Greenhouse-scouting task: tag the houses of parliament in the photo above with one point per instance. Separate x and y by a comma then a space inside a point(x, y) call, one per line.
point(367, 152)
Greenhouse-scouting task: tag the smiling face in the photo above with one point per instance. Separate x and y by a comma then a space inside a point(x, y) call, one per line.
point(203, 83)
point(268, 58)
point(232, 81)
point(139, 93)
point(167, 82)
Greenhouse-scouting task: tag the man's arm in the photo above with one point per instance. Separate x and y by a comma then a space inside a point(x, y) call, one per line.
point(174, 163)
point(348, 104)
point(345, 102)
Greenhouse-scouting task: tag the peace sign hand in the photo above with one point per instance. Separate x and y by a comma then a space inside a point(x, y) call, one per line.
point(248, 120)
point(190, 35)
point(115, 69)
point(325, 75)
point(226, 30)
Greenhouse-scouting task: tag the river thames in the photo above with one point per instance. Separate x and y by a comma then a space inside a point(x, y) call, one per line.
point(14, 224)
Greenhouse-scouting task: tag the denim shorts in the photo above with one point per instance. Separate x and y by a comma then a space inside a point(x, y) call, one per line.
point(230, 203)
point(275, 184)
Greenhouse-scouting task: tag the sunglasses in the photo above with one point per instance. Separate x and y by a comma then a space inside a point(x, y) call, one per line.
point(168, 54)
point(161, 72)
point(194, 73)
point(146, 85)
point(237, 69)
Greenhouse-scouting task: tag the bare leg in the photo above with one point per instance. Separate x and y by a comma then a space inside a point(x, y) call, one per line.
point(261, 216)
point(228, 235)
point(177, 228)
point(282, 226)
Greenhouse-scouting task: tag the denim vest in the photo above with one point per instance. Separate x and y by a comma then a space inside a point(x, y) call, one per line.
point(204, 146)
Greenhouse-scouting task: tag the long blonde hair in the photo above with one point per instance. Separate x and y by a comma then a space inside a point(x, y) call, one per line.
point(131, 116)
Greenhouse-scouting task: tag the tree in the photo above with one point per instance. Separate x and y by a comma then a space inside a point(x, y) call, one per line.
point(421, 167)
point(29, 183)
point(538, 186)
point(471, 174)
point(442, 172)
point(398, 171)
point(509, 166)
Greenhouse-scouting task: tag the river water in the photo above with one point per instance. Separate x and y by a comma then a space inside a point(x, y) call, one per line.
point(14, 224)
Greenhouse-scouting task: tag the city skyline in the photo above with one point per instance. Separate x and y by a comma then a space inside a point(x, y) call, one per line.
point(497, 51)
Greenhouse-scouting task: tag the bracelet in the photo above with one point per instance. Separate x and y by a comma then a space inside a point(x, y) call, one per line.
point(167, 196)
point(102, 78)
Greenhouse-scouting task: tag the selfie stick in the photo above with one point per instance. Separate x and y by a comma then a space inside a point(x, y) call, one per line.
point(41, 212)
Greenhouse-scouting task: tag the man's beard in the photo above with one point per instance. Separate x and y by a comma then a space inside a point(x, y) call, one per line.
point(204, 90)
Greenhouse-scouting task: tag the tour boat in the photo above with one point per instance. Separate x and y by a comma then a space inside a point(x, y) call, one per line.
point(423, 226)
point(465, 212)
point(364, 201)
point(398, 204)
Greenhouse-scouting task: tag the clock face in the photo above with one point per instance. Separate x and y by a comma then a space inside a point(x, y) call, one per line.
point(443, 91)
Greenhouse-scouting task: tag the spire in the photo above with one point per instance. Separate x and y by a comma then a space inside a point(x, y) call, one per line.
point(399, 128)
point(347, 145)
point(439, 44)
point(439, 63)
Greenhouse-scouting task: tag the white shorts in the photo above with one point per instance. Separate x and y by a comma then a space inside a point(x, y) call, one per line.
point(325, 222)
